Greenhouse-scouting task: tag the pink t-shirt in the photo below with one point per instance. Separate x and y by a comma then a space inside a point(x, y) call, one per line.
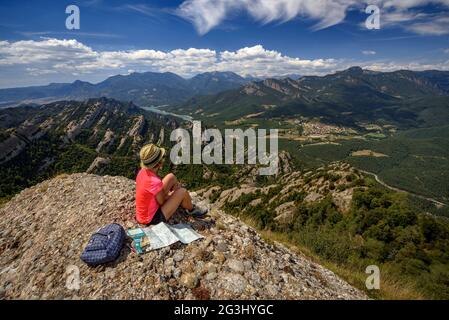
point(148, 185)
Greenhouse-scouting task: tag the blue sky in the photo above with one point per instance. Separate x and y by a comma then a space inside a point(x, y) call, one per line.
point(250, 37)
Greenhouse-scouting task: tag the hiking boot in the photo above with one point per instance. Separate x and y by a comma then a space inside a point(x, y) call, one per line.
point(197, 211)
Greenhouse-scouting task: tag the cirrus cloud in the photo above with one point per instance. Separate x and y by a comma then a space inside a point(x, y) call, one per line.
point(208, 14)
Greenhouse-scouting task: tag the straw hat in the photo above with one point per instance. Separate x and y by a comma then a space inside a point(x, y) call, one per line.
point(151, 155)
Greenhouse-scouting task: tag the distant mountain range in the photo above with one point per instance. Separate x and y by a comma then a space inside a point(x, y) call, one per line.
point(149, 88)
point(406, 98)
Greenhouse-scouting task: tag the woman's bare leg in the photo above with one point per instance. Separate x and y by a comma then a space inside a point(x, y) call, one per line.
point(169, 182)
point(180, 197)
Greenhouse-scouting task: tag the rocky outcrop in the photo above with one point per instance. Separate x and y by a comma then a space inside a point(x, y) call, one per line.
point(253, 89)
point(107, 140)
point(21, 136)
point(291, 188)
point(44, 228)
point(285, 212)
point(134, 132)
point(277, 85)
point(98, 164)
point(285, 160)
point(11, 148)
point(92, 113)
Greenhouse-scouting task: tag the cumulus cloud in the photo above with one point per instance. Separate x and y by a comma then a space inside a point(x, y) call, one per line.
point(258, 61)
point(54, 60)
point(71, 57)
point(208, 14)
point(30, 51)
point(369, 52)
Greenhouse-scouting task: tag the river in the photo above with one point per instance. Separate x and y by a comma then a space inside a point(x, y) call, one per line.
point(157, 109)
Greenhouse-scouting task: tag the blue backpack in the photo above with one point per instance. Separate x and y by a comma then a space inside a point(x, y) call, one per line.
point(105, 245)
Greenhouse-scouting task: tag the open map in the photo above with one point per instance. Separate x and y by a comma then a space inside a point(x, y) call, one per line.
point(161, 235)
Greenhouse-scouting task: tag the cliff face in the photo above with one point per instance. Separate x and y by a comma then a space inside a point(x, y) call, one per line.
point(44, 228)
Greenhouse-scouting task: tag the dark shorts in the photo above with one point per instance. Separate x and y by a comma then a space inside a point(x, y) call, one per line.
point(158, 217)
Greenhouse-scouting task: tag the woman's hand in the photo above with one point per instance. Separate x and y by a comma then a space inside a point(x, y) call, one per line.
point(176, 186)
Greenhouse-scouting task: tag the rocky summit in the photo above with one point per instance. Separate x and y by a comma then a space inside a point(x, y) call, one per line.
point(44, 229)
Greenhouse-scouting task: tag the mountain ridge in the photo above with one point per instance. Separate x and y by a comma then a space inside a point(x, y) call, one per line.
point(401, 97)
point(141, 88)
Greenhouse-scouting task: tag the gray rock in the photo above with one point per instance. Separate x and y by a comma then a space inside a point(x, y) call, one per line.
point(276, 278)
point(248, 265)
point(164, 251)
point(233, 283)
point(222, 247)
point(169, 262)
point(28, 244)
point(236, 266)
point(178, 256)
point(199, 265)
point(254, 278)
point(272, 290)
point(168, 271)
point(177, 273)
point(110, 274)
point(211, 276)
point(211, 268)
point(189, 280)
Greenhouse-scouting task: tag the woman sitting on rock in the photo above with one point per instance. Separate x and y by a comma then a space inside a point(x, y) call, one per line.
point(158, 199)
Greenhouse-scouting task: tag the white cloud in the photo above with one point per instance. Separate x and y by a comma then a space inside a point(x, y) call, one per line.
point(258, 61)
point(53, 60)
point(141, 8)
point(416, 66)
point(208, 14)
point(436, 26)
point(53, 56)
point(369, 52)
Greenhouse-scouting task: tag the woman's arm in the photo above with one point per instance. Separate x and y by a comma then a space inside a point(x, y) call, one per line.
point(170, 185)
point(161, 197)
